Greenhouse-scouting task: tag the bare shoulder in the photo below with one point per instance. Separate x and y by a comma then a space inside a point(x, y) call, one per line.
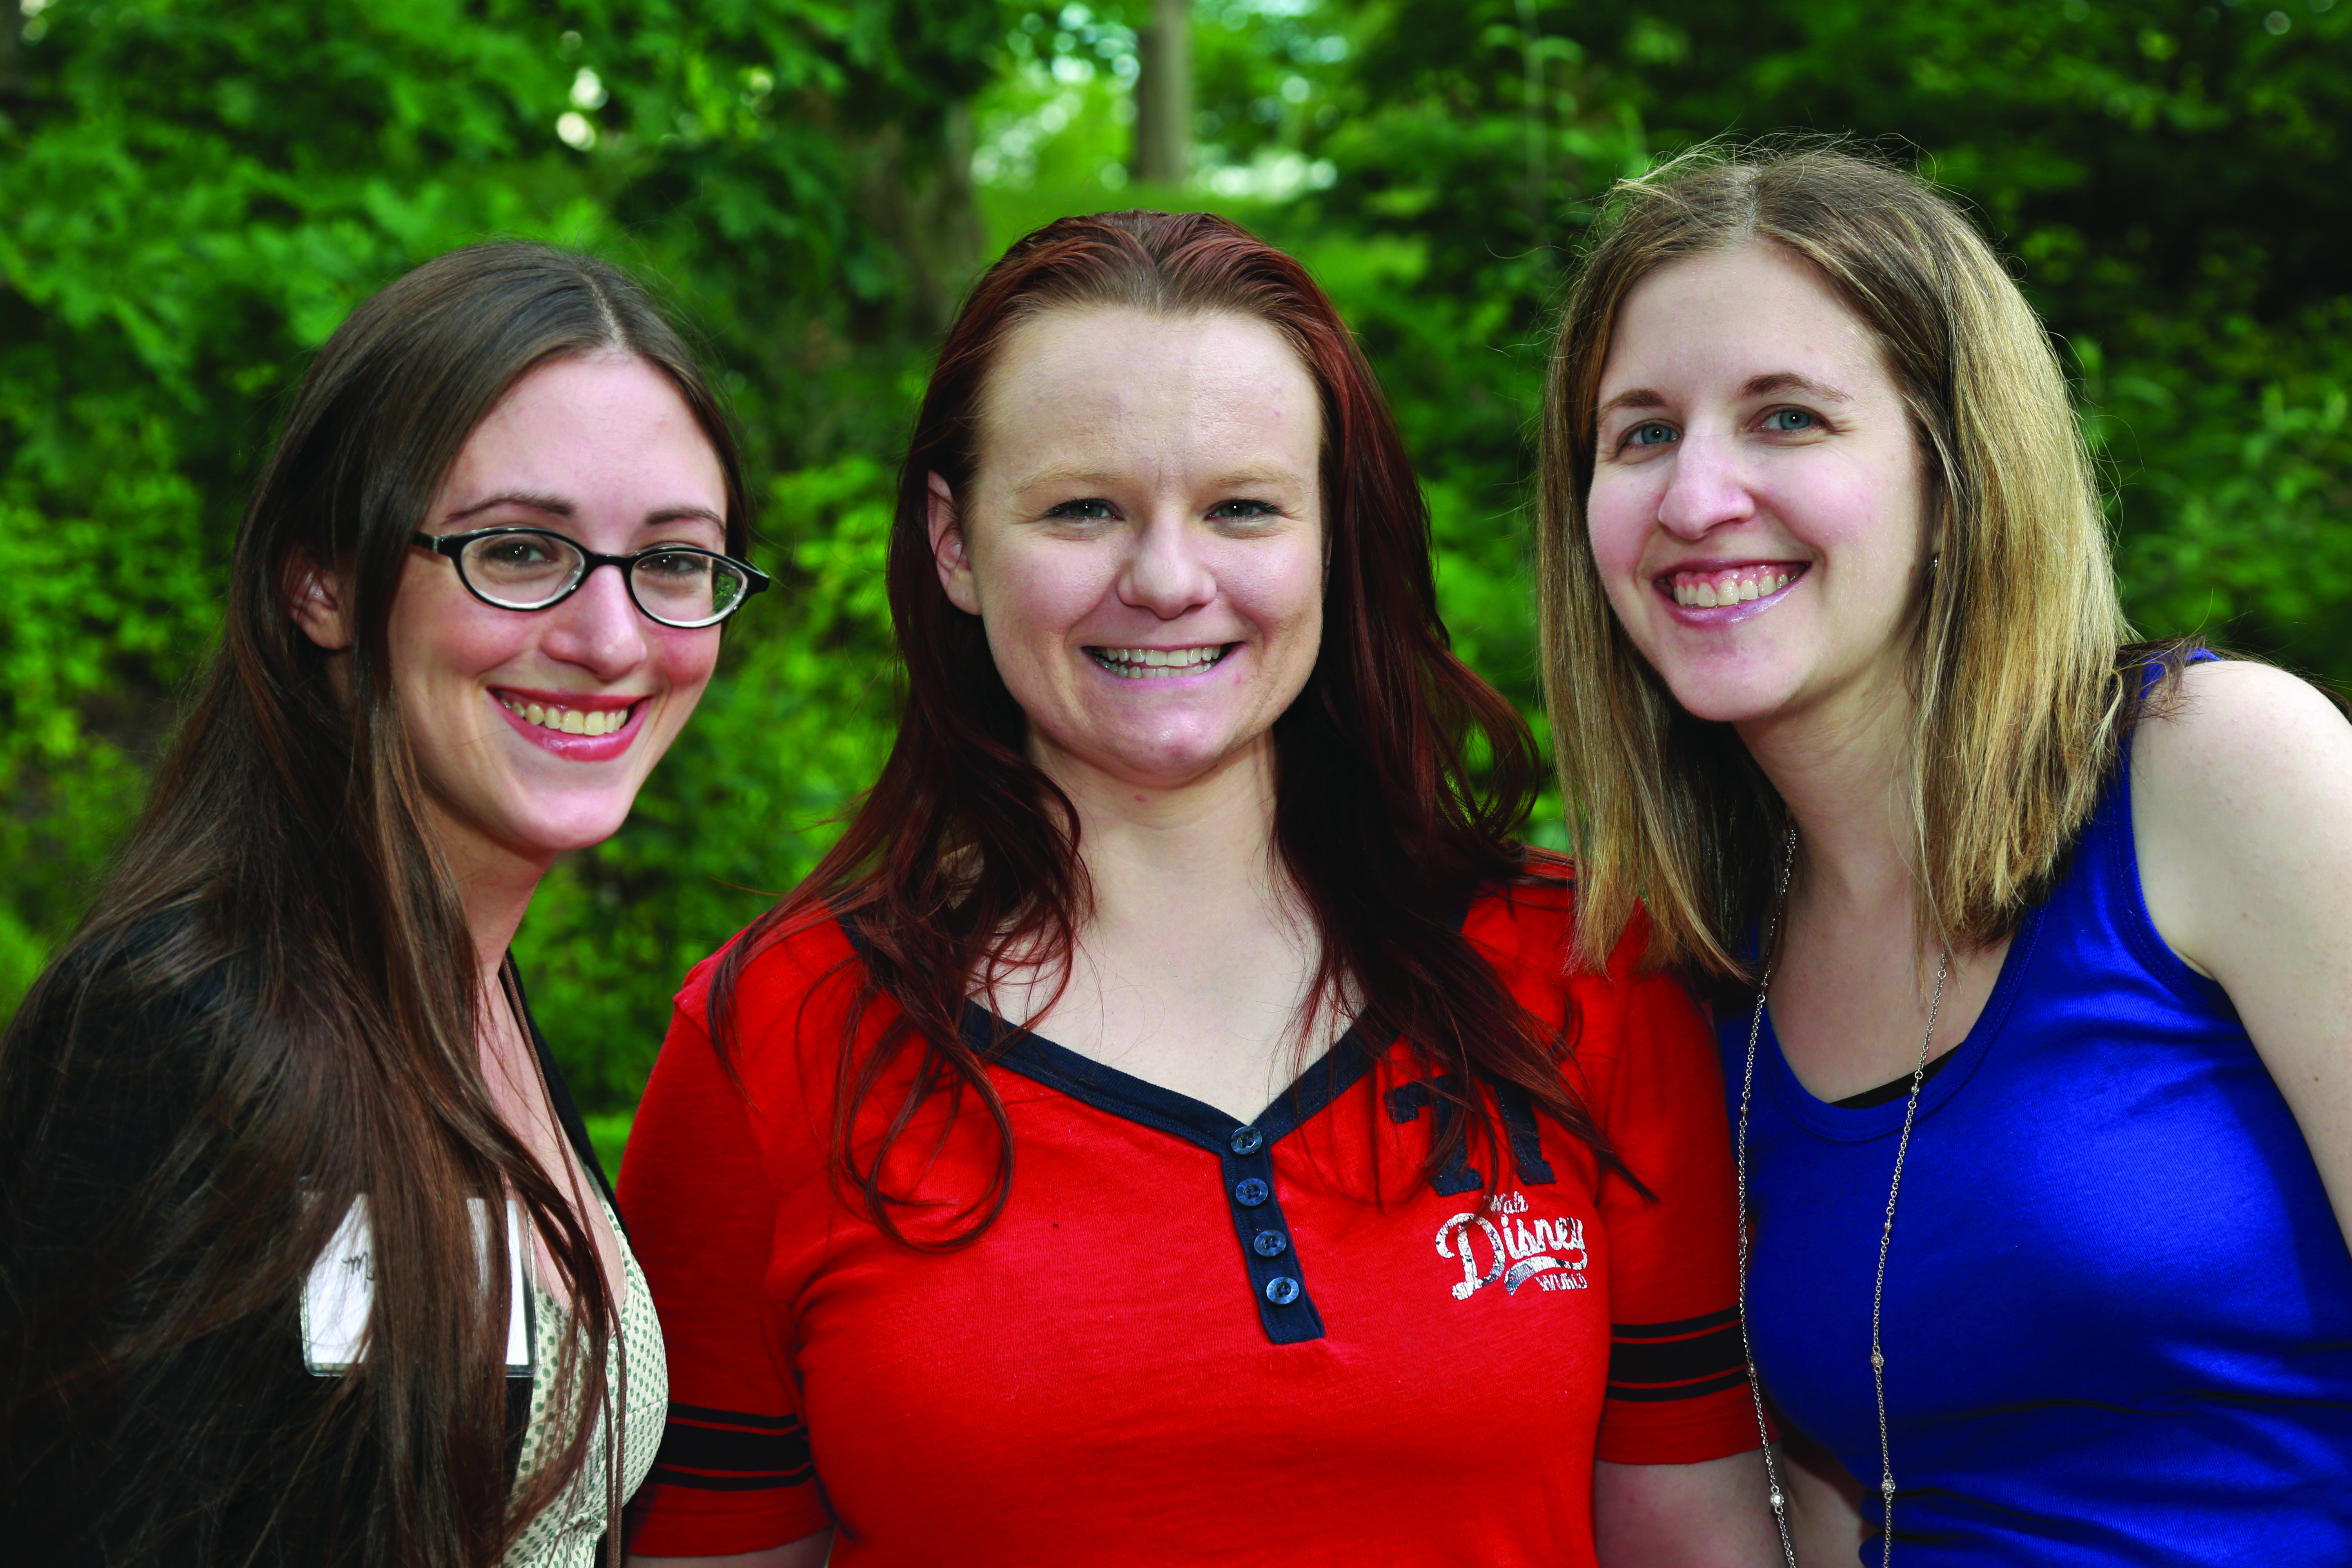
point(2244, 780)
point(2239, 717)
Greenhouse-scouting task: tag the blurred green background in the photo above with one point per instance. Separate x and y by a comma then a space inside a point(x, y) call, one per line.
point(194, 192)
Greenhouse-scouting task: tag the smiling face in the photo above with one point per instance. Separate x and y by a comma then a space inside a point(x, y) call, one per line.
point(1143, 540)
point(534, 729)
point(1759, 510)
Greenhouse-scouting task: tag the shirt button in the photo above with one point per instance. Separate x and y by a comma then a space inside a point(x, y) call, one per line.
point(1269, 1243)
point(1282, 1290)
point(1248, 1140)
point(1249, 1192)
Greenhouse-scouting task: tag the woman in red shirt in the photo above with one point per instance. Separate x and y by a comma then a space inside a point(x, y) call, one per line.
point(1168, 1128)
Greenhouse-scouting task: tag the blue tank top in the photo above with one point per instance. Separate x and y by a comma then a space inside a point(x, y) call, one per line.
point(2119, 1308)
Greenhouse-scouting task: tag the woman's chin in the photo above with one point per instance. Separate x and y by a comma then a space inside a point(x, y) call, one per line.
point(544, 837)
point(1160, 764)
point(1717, 701)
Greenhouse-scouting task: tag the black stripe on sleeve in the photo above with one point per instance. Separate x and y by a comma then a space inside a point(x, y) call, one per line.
point(1728, 1317)
point(704, 1415)
point(732, 1450)
point(1682, 1360)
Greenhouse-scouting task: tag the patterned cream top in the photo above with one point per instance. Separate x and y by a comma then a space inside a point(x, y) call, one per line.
point(566, 1534)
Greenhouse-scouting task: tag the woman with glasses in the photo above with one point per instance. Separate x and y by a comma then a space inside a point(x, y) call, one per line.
point(1166, 1130)
point(306, 1258)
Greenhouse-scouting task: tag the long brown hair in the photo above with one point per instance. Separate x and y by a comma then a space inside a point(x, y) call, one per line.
point(965, 855)
point(283, 909)
point(2015, 668)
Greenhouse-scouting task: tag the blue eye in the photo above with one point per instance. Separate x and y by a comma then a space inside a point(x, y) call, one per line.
point(1654, 433)
point(1089, 511)
point(1241, 508)
point(1785, 420)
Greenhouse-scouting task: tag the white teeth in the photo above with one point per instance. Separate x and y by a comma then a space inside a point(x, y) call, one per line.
point(1149, 663)
point(1743, 586)
point(569, 720)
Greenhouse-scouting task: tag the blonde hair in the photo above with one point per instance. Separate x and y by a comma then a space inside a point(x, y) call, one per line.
point(2014, 669)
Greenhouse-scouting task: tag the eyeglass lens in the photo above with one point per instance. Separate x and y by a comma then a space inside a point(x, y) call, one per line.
point(530, 570)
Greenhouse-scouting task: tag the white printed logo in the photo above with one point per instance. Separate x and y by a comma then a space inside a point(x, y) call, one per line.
point(1549, 1251)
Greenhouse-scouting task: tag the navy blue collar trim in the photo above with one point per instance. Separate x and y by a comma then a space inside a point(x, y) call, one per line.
point(1106, 1088)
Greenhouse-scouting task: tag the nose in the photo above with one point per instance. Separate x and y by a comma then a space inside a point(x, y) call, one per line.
point(598, 628)
point(1706, 488)
point(1165, 572)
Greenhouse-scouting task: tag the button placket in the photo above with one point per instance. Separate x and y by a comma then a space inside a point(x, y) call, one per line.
point(1284, 1309)
point(1243, 1151)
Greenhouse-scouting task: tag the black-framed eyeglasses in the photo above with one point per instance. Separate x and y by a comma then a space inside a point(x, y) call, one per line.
point(538, 569)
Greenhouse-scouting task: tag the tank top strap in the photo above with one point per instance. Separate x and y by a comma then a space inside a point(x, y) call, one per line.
point(2098, 899)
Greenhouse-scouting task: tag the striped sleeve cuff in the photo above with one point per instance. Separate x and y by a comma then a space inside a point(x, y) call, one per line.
point(1656, 1362)
point(732, 1450)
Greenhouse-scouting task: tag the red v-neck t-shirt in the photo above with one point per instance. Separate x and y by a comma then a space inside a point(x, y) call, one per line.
point(1186, 1338)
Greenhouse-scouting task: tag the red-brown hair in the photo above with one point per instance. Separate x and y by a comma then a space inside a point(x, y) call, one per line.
point(964, 852)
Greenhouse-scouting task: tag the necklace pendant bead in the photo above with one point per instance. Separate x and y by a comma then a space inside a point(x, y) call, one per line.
point(1887, 1486)
point(1780, 1503)
point(1878, 1360)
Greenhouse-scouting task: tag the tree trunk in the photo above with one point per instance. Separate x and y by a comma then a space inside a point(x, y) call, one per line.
point(918, 196)
point(1163, 94)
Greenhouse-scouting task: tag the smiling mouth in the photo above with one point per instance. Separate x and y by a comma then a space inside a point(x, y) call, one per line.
point(1155, 663)
point(569, 720)
point(1732, 585)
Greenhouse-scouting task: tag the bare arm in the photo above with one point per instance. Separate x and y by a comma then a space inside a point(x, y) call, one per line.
point(1709, 1515)
point(809, 1551)
point(2241, 801)
point(1825, 1505)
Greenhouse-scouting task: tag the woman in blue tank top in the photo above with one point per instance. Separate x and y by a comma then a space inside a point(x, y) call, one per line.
point(2036, 945)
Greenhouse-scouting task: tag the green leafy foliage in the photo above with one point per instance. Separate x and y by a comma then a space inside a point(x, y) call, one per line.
point(196, 192)
point(192, 195)
point(2168, 176)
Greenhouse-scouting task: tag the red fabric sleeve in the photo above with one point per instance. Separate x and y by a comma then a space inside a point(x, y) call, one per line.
point(734, 1473)
point(1677, 1376)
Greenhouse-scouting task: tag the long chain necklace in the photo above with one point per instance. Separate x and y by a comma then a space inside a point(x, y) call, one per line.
point(1774, 1492)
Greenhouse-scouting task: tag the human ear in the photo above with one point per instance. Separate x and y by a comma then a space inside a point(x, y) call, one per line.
point(318, 604)
point(947, 550)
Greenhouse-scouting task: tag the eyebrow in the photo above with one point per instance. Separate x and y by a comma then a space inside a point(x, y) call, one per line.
point(1633, 397)
point(1254, 478)
point(556, 506)
point(1240, 478)
point(1789, 381)
point(1068, 475)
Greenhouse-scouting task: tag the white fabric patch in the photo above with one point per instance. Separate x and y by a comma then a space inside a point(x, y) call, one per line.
point(340, 1291)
